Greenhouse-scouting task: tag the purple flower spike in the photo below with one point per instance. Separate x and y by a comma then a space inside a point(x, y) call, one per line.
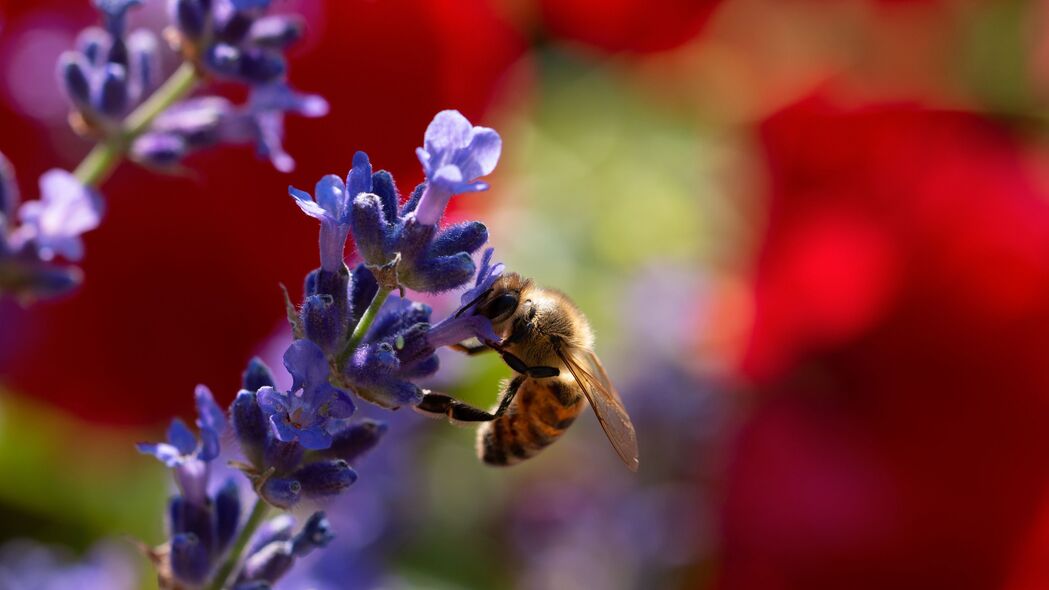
point(313, 408)
point(65, 210)
point(455, 154)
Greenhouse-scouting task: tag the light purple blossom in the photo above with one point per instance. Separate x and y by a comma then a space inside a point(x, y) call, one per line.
point(65, 210)
point(454, 156)
point(330, 204)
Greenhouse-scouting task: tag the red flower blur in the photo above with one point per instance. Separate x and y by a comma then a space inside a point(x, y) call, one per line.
point(181, 278)
point(900, 354)
point(627, 25)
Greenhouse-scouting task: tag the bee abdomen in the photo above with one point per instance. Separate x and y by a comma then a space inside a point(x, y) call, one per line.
point(536, 419)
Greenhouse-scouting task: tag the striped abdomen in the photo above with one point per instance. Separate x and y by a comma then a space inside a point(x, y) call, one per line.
point(538, 415)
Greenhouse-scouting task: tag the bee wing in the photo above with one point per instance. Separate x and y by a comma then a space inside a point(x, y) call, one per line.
point(605, 401)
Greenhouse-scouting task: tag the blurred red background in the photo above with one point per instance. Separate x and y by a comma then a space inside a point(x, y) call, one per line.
point(895, 378)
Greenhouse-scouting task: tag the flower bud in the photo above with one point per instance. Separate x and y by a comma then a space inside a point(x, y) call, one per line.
point(227, 514)
point(269, 563)
point(233, 26)
point(257, 375)
point(93, 42)
point(187, 517)
point(72, 70)
point(355, 440)
point(322, 322)
point(370, 229)
point(363, 288)
point(276, 32)
point(249, 425)
point(260, 67)
point(278, 528)
point(189, 16)
point(325, 478)
point(282, 456)
point(159, 149)
point(190, 560)
point(316, 533)
point(281, 492)
point(462, 237)
point(113, 93)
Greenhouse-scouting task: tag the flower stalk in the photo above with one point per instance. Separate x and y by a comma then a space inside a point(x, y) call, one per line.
point(104, 157)
point(362, 327)
point(233, 557)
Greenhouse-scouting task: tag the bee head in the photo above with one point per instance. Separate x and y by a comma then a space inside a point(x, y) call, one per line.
point(502, 301)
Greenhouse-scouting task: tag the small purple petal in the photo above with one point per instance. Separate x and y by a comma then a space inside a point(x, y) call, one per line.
point(306, 363)
point(167, 454)
point(271, 401)
point(283, 428)
point(211, 415)
point(359, 180)
point(457, 329)
point(314, 438)
point(181, 437)
point(65, 210)
point(307, 204)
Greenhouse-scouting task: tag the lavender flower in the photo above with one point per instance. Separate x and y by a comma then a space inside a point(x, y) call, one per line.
point(203, 523)
point(426, 258)
point(54, 223)
point(455, 155)
point(232, 39)
point(205, 122)
point(50, 227)
point(110, 72)
point(276, 429)
point(308, 416)
point(331, 206)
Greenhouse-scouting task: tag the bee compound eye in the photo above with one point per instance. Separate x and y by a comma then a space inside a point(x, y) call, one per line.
point(501, 306)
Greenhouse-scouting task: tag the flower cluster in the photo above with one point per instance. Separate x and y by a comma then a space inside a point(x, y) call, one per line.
point(34, 233)
point(234, 39)
point(378, 355)
point(352, 338)
point(110, 72)
point(204, 122)
point(204, 523)
point(112, 82)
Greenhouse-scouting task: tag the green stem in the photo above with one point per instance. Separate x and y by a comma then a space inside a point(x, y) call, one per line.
point(363, 325)
point(104, 158)
point(258, 514)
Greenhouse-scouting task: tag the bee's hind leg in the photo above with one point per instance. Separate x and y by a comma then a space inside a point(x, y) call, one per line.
point(440, 404)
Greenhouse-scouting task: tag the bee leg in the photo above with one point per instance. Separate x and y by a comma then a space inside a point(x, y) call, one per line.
point(439, 403)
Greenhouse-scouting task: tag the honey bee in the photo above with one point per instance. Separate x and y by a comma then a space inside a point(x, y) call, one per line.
point(549, 343)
